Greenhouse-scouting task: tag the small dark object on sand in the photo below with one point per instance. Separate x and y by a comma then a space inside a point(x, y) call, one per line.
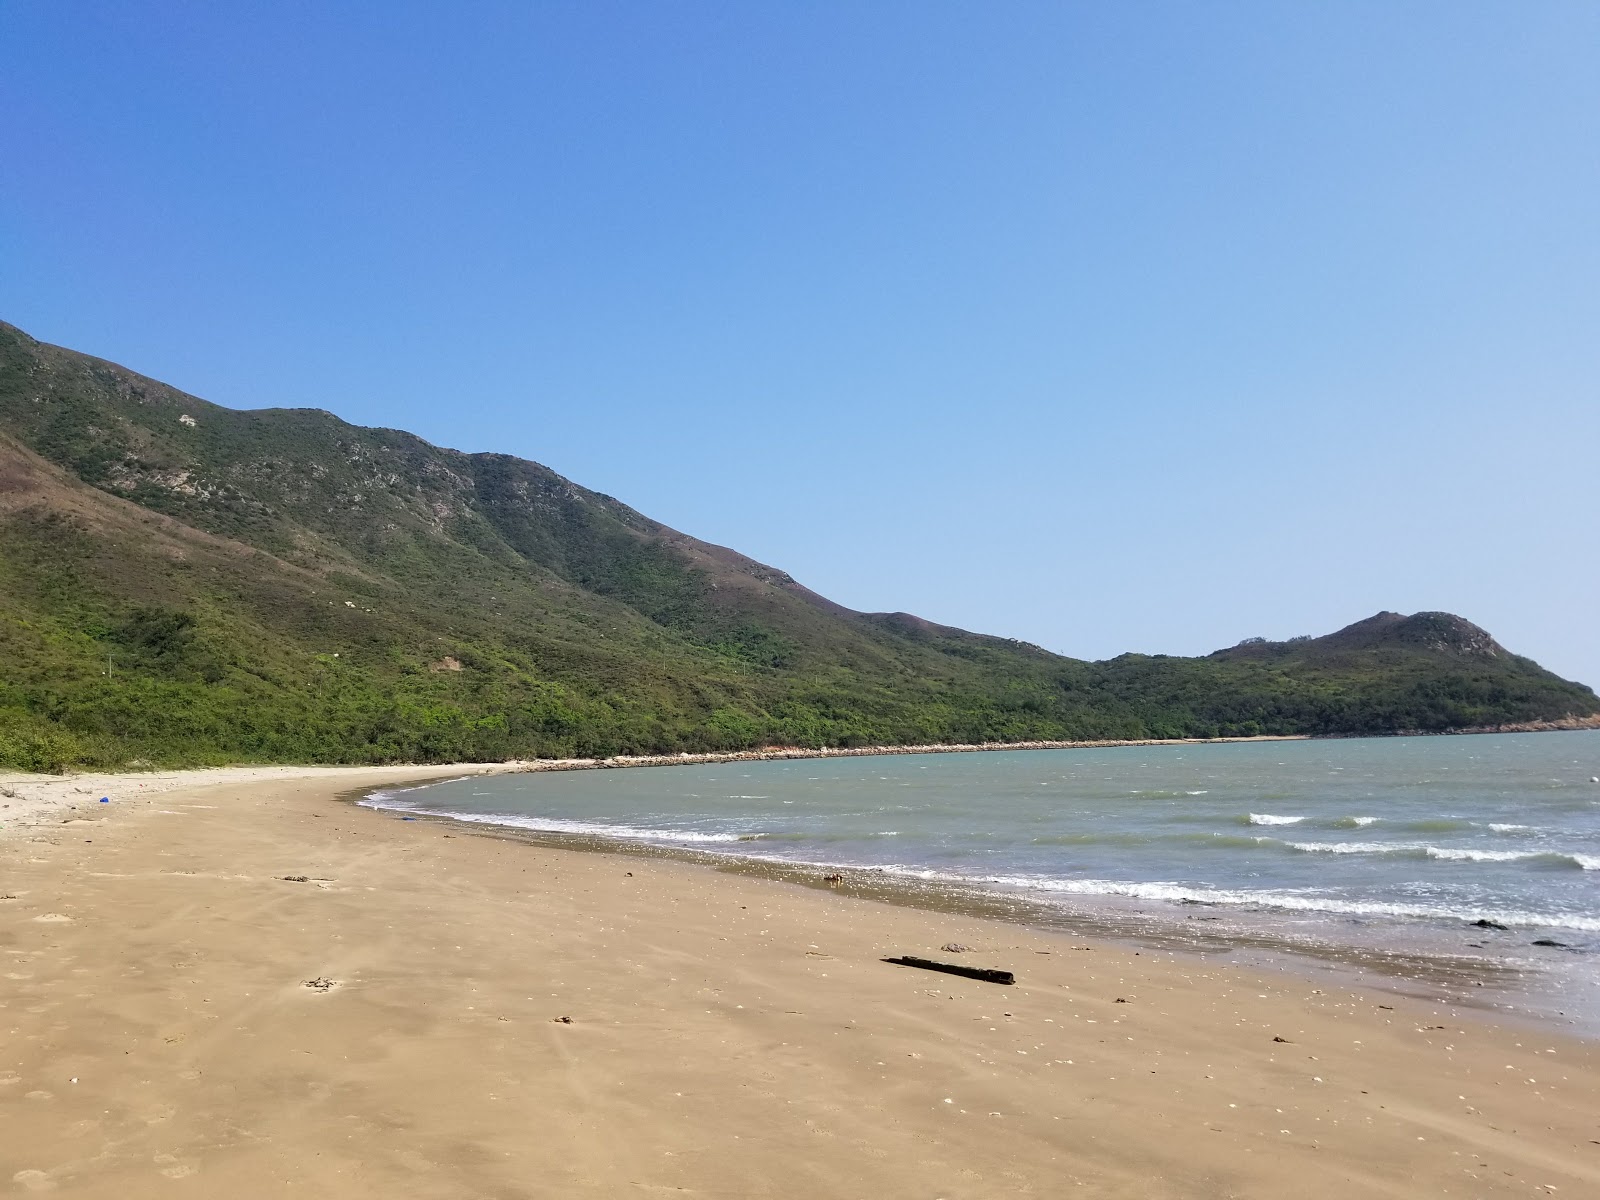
point(927, 964)
point(320, 985)
point(954, 948)
point(1121, 1000)
point(833, 879)
point(1551, 942)
point(1284, 1040)
point(297, 878)
point(561, 1020)
point(1485, 923)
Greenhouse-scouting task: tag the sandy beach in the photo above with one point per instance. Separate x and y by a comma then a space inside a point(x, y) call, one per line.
point(231, 983)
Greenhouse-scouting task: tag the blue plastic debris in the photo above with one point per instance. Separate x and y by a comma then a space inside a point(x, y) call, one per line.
point(105, 799)
point(408, 818)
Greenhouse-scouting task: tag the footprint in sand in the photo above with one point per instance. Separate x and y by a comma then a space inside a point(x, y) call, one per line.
point(33, 1181)
point(39, 1094)
point(176, 1168)
point(52, 918)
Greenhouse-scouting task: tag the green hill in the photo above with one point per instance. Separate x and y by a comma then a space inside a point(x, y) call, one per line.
point(184, 583)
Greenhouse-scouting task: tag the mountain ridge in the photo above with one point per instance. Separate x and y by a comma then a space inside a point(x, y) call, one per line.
point(180, 582)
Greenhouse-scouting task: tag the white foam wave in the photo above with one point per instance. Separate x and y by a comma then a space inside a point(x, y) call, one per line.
point(1273, 819)
point(1299, 902)
point(1363, 822)
point(1453, 854)
point(386, 794)
point(1505, 827)
point(1587, 862)
point(1358, 847)
point(1291, 901)
point(561, 825)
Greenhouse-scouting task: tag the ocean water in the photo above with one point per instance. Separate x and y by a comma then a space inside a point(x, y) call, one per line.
point(1398, 842)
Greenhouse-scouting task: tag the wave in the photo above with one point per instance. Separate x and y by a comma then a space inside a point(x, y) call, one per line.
point(1585, 862)
point(1504, 827)
point(382, 800)
point(1206, 840)
point(1425, 825)
point(1298, 902)
point(1437, 825)
point(1104, 839)
point(1358, 847)
point(1351, 822)
point(816, 836)
point(1453, 854)
point(386, 794)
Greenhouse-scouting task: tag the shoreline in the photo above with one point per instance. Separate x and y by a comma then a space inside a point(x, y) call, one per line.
point(784, 753)
point(1405, 956)
point(52, 791)
point(30, 801)
point(244, 988)
point(1422, 975)
point(787, 753)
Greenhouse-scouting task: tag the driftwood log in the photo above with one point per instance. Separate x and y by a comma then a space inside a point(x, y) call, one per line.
point(928, 964)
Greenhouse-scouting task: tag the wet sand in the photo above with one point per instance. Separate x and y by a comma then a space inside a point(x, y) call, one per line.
point(725, 1035)
point(1435, 971)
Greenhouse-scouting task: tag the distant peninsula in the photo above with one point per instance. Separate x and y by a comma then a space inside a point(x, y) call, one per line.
point(187, 584)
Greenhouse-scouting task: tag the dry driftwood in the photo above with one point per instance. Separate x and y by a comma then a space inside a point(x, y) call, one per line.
point(928, 964)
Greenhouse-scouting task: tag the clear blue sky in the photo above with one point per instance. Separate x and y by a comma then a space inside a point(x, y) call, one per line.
point(1140, 326)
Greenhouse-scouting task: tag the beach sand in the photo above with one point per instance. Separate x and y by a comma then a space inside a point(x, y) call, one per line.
point(497, 1019)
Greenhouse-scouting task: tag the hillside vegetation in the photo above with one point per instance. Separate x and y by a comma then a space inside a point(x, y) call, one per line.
point(186, 583)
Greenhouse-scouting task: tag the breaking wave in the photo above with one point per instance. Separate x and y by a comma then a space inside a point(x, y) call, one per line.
point(1586, 862)
point(632, 833)
point(1297, 902)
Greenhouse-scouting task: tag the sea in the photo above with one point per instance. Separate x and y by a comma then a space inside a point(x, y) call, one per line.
point(1463, 868)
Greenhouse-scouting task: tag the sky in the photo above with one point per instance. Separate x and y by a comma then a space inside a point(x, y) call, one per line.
point(1146, 326)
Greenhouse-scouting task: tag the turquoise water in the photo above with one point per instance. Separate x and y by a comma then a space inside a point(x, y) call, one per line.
point(1400, 839)
point(1503, 827)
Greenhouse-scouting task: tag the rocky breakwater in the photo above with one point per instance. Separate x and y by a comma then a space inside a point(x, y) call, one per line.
point(771, 753)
